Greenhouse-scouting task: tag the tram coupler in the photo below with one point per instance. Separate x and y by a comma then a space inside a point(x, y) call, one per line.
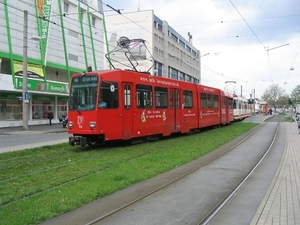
point(77, 140)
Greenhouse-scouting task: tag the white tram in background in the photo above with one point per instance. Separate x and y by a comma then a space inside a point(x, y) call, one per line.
point(241, 108)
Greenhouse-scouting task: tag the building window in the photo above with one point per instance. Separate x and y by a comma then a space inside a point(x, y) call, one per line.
point(155, 50)
point(93, 21)
point(188, 78)
point(158, 69)
point(174, 37)
point(73, 57)
point(181, 76)
point(161, 40)
point(188, 48)
point(66, 7)
point(194, 53)
point(156, 37)
point(160, 52)
point(159, 27)
point(182, 43)
point(174, 73)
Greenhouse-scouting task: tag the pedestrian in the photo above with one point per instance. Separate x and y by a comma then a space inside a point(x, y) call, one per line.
point(298, 121)
point(50, 116)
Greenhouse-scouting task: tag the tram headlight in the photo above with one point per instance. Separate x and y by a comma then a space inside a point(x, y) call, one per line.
point(70, 124)
point(92, 125)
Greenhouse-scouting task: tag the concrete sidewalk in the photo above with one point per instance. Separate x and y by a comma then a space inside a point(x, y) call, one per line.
point(281, 204)
point(42, 128)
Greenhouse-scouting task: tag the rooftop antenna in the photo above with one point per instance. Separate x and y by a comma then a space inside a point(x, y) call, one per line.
point(190, 38)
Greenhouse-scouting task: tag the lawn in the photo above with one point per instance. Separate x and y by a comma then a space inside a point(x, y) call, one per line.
point(38, 184)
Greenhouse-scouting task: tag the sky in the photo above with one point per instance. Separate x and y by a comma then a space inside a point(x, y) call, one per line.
point(246, 46)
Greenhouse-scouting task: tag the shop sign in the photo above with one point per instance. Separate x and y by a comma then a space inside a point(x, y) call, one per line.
point(13, 96)
point(44, 13)
point(43, 86)
point(58, 87)
point(44, 98)
point(62, 98)
point(33, 70)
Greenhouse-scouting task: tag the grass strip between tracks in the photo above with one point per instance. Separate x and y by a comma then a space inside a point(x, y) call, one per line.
point(38, 184)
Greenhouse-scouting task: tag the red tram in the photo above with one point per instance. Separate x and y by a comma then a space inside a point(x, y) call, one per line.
point(120, 105)
point(130, 105)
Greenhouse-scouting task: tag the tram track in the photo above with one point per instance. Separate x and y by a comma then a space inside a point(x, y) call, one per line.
point(205, 219)
point(209, 217)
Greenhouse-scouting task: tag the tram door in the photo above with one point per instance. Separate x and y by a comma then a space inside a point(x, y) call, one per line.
point(127, 110)
point(175, 104)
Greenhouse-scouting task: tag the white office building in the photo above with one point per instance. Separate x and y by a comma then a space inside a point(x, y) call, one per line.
point(174, 56)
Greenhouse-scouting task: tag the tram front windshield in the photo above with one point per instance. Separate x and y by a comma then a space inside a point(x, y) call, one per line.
point(83, 93)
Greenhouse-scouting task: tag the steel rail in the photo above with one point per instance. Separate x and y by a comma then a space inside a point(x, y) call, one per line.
point(173, 181)
point(209, 217)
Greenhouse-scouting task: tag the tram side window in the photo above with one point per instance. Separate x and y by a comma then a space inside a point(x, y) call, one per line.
point(203, 100)
point(161, 97)
point(234, 103)
point(127, 96)
point(216, 101)
point(209, 101)
point(172, 99)
point(109, 95)
point(188, 99)
point(224, 99)
point(230, 103)
point(143, 96)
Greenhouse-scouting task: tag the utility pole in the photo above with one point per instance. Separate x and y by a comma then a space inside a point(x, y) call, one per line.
point(25, 86)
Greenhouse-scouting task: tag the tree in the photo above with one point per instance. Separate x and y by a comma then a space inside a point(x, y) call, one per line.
point(295, 95)
point(272, 95)
point(283, 101)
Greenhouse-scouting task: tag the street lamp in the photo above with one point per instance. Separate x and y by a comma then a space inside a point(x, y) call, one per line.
point(269, 49)
point(25, 75)
point(200, 65)
point(25, 87)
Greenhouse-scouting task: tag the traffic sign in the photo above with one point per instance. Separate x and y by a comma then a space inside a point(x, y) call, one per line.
point(27, 97)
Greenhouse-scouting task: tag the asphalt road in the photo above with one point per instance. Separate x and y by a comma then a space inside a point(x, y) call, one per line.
point(14, 138)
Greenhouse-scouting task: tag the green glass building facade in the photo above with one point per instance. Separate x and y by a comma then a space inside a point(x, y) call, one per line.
point(63, 37)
